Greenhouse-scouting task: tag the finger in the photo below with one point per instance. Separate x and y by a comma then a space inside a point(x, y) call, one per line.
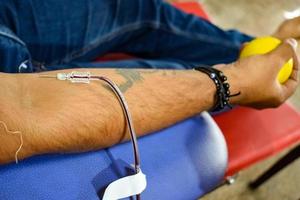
point(294, 24)
point(291, 84)
point(285, 51)
point(289, 88)
point(294, 75)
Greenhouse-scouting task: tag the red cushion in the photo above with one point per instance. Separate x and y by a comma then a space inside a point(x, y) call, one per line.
point(192, 8)
point(252, 135)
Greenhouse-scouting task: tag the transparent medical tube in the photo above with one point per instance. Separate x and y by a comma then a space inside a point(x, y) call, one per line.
point(128, 118)
point(86, 77)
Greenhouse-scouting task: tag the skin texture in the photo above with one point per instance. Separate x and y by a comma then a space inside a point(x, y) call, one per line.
point(58, 116)
point(289, 28)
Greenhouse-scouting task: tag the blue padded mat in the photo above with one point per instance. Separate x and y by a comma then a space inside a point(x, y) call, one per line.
point(184, 162)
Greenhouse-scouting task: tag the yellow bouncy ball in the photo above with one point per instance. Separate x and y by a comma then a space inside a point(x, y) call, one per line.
point(264, 45)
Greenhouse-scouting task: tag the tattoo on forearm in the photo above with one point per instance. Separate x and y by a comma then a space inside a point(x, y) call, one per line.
point(135, 75)
point(130, 76)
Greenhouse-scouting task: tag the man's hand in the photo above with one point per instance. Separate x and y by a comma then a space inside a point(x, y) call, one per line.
point(256, 77)
point(289, 28)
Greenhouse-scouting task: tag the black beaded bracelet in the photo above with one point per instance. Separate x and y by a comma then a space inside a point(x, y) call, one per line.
point(223, 93)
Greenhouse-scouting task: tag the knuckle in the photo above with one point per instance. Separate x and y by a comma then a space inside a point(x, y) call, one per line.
point(296, 61)
point(275, 105)
point(277, 100)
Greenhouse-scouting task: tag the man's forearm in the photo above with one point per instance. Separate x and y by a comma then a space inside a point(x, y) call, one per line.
point(59, 116)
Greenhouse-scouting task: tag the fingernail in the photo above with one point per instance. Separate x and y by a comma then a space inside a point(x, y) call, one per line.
point(292, 42)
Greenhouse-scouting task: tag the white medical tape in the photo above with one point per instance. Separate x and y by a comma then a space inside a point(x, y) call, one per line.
point(126, 187)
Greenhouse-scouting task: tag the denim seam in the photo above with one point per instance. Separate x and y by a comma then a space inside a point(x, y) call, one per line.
point(199, 36)
point(12, 37)
point(133, 27)
point(106, 38)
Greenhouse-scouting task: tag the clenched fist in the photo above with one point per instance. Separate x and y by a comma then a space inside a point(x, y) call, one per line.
point(256, 77)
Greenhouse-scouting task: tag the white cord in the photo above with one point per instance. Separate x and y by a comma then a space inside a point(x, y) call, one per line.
point(21, 140)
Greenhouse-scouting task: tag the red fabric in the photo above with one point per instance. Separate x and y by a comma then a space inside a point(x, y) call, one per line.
point(192, 8)
point(114, 56)
point(252, 135)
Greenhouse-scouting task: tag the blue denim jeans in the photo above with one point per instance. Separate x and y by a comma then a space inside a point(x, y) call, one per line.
point(40, 35)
